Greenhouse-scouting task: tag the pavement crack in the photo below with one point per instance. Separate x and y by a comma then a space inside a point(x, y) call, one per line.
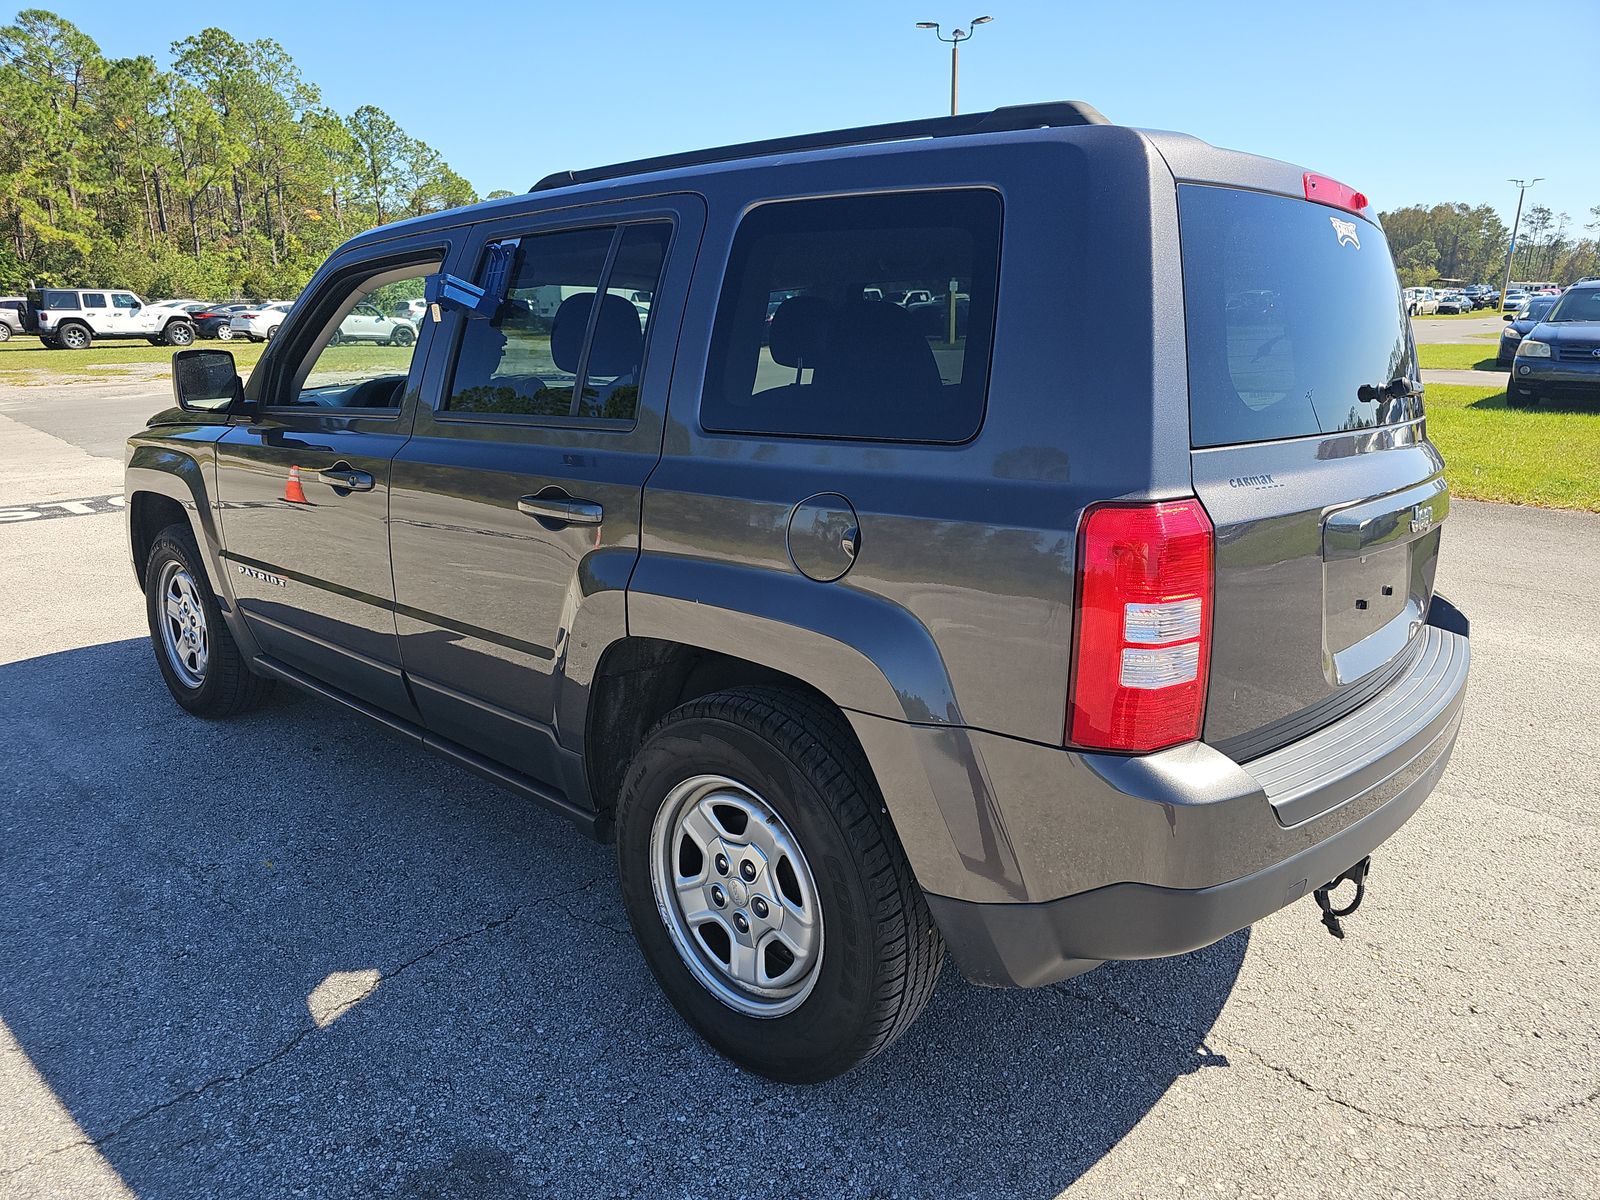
point(289, 1045)
point(1211, 1040)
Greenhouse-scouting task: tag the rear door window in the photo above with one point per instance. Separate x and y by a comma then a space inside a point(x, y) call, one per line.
point(858, 317)
point(568, 341)
point(1290, 308)
point(94, 300)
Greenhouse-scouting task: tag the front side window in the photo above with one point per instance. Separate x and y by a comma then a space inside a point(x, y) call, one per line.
point(859, 317)
point(568, 341)
point(123, 300)
point(362, 363)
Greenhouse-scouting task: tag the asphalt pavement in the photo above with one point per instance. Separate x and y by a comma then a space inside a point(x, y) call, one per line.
point(291, 956)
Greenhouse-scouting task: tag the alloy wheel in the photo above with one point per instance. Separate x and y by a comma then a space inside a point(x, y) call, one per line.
point(736, 895)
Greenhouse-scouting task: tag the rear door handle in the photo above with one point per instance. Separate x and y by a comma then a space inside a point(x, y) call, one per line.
point(346, 479)
point(561, 510)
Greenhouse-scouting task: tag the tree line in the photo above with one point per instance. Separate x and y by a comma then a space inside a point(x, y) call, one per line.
point(1469, 242)
point(224, 176)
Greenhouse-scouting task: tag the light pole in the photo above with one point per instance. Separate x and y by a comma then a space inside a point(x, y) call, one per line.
point(957, 36)
point(1522, 189)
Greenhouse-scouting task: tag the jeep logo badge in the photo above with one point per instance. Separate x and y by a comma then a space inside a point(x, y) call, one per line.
point(1422, 518)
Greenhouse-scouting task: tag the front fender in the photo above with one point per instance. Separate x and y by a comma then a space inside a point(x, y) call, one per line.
point(861, 651)
point(180, 473)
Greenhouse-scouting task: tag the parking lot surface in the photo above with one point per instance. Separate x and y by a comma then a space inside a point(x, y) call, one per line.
point(292, 956)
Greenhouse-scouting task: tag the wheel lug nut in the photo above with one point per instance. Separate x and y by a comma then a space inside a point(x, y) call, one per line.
point(759, 907)
point(748, 870)
point(722, 864)
point(741, 922)
point(718, 896)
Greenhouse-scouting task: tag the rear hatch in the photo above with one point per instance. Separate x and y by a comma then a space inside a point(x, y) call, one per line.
point(1308, 451)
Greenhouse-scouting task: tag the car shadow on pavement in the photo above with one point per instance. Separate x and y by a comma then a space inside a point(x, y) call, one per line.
point(292, 954)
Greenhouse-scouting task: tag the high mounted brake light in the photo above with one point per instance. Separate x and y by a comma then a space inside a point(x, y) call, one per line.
point(1144, 627)
point(1330, 191)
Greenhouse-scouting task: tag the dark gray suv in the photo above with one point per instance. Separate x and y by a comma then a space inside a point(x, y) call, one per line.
point(769, 510)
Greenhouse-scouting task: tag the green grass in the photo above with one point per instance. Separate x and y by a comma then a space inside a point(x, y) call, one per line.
point(22, 357)
point(25, 358)
point(1451, 356)
point(1548, 456)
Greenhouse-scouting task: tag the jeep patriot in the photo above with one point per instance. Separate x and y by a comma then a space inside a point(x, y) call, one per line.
point(767, 510)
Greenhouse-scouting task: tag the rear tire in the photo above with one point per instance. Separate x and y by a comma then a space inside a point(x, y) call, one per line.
point(75, 336)
point(869, 953)
point(199, 660)
point(224, 333)
point(273, 332)
point(402, 337)
point(5, 332)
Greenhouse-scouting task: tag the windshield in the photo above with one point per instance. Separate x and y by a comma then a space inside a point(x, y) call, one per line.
point(1291, 309)
point(1538, 307)
point(1577, 305)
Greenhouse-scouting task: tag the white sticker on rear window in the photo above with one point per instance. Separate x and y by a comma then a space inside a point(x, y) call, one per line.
point(1345, 231)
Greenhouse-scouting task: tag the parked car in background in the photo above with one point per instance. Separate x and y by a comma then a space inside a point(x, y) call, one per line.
point(11, 315)
point(1421, 301)
point(72, 318)
point(1454, 302)
point(212, 321)
point(410, 310)
point(1513, 300)
point(1518, 324)
point(1559, 358)
point(1480, 294)
point(366, 324)
point(259, 323)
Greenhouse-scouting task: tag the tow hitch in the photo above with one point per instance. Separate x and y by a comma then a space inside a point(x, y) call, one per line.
point(1330, 915)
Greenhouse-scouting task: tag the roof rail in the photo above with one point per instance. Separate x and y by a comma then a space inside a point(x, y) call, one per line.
point(1018, 116)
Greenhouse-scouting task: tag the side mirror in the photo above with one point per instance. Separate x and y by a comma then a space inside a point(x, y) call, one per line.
point(206, 381)
point(1508, 316)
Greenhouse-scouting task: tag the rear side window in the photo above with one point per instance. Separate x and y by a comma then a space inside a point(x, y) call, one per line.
point(1290, 308)
point(94, 300)
point(568, 342)
point(858, 317)
point(55, 301)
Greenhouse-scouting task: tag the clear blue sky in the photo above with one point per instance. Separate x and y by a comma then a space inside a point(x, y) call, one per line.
point(1412, 101)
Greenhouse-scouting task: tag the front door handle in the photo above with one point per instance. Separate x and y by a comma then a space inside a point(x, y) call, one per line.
point(346, 479)
point(561, 510)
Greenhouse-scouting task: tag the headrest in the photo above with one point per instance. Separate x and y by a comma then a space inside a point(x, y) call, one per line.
point(876, 345)
point(799, 331)
point(618, 338)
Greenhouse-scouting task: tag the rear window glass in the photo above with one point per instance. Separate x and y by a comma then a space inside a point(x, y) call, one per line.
point(858, 317)
point(59, 301)
point(1291, 307)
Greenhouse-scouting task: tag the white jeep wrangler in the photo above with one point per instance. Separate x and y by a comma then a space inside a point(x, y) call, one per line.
point(72, 318)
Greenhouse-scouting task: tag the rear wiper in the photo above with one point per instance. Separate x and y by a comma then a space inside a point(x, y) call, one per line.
point(1397, 388)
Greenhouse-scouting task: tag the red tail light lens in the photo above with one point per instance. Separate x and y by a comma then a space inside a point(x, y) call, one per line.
point(1330, 191)
point(1144, 626)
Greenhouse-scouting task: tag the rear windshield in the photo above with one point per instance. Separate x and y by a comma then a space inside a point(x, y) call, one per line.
point(1290, 307)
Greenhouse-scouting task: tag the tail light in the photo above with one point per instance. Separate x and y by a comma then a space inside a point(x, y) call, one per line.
point(248, 316)
point(1144, 626)
point(1330, 191)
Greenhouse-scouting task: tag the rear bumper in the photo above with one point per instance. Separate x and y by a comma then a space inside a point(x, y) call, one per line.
point(1311, 809)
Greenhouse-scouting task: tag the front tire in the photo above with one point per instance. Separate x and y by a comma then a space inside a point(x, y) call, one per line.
point(224, 333)
point(178, 333)
point(201, 663)
point(273, 332)
point(767, 889)
point(5, 332)
point(402, 337)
